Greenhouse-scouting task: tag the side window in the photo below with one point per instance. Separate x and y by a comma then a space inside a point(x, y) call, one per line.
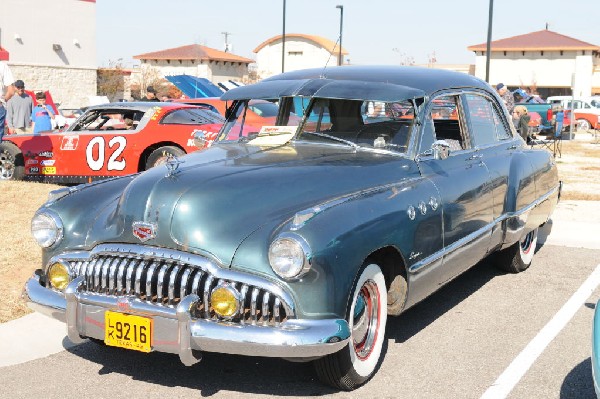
point(442, 122)
point(486, 124)
point(191, 116)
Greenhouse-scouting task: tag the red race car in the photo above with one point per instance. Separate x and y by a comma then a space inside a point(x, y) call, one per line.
point(107, 140)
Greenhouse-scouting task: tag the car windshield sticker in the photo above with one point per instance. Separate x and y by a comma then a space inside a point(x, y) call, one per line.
point(274, 135)
point(69, 143)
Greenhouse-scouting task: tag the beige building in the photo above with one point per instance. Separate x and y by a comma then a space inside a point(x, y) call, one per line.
point(194, 60)
point(551, 62)
point(62, 56)
point(301, 51)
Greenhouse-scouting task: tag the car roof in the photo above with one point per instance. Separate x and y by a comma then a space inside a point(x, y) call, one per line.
point(383, 83)
point(137, 105)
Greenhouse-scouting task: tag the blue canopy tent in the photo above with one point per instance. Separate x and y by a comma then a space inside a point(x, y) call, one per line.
point(194, 87)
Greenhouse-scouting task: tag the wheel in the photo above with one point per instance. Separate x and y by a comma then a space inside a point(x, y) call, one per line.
point(583, 125)
point(357, 362)
point(518, 256)
point(161, 154)
point(12, 164)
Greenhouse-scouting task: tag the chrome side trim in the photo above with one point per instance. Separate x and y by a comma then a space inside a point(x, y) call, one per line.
point(476, 234)
point(304, 216)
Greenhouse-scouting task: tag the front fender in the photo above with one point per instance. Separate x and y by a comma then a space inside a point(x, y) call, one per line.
point(342, 237)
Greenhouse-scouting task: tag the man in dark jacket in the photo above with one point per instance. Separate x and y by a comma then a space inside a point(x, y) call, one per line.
point(150, 94)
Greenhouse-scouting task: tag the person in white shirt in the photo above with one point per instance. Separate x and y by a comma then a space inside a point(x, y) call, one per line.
point(7, 89)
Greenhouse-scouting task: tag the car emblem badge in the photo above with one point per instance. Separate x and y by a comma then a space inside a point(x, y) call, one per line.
point(144, 231)
point(123, 304)
point(172, 165)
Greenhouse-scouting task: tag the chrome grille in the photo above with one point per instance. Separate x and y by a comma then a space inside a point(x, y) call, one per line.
point(165, 282)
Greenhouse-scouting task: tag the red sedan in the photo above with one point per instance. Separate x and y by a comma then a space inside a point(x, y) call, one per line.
point(107, 140)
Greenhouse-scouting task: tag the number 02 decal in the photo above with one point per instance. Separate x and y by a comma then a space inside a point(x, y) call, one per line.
point(95, 153)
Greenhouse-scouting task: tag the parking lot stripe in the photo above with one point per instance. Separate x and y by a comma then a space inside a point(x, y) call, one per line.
point(519, 366)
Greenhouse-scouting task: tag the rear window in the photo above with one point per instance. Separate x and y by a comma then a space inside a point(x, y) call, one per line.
point(192, 116)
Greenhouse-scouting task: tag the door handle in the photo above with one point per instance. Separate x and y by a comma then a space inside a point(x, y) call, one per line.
point(474, 157)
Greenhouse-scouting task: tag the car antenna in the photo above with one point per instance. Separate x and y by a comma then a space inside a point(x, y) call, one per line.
point(330, 53)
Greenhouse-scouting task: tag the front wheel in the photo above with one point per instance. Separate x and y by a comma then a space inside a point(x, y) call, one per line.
point(161, 154)
point(518, 256)
point(357, 362)
point(12, 164)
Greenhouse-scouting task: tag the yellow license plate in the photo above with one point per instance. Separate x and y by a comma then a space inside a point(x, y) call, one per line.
point(128, 331)
point(49, 170)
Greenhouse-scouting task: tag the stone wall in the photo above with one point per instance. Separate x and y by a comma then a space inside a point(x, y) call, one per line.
point(68, 86)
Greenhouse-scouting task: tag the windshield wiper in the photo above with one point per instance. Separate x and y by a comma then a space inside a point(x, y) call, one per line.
point(328, 136)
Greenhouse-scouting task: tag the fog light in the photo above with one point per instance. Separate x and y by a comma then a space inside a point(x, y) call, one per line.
point(59, 275)
point(225, 301)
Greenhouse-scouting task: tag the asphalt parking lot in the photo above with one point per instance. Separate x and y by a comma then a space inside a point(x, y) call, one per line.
point(455, 344)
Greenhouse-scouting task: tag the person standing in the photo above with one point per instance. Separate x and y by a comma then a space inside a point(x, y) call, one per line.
point(42, 115)
point(7, 89)
point(150, 94)
point(523, 118)
point(18, 110)
point(507, 97)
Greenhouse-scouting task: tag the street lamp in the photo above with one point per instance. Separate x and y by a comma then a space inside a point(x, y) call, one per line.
point(341, 24)
point(283, 42)
point(489, 43)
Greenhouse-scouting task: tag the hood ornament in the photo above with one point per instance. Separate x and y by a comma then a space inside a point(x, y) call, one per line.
point(172, 164)
point(144, 231)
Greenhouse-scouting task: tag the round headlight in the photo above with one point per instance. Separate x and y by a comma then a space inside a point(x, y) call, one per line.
point(288, 257)
point(225, 301)
point(46, 229)
point(59, 275)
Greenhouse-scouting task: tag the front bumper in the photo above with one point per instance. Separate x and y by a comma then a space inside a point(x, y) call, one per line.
point(176, 331)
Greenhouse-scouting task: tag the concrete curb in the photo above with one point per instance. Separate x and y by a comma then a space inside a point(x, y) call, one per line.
point(31, 337)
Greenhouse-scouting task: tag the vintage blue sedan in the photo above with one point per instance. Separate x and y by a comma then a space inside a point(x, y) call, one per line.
point(298, 240)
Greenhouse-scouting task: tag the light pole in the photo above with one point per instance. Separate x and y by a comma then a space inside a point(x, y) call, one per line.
point(283, 42)
point(340, 60)
point(489, 43)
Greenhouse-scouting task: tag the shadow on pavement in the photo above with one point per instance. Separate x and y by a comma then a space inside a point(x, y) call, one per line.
point(578, 384)
point(415, 319)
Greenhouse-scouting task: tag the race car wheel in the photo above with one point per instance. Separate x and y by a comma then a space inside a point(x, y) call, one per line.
point(161, 154)
point(583, 125)
point(518, 257)
point(12, 164)
point(357, 362)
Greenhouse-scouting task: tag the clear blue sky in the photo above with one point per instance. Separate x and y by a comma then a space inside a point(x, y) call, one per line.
point(374, 32)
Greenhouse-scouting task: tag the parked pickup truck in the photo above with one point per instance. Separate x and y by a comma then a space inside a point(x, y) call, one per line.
point(546, 112)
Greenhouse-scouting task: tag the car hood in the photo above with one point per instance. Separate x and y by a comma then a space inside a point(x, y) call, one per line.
point(216, 198)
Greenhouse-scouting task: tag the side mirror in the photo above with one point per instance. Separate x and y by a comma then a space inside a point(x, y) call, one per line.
point(200, 139)
point(441, 149)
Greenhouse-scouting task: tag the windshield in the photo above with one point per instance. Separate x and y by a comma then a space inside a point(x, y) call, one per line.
point(358, 123)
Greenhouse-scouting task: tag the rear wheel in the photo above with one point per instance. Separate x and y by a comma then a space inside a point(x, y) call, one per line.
point(357, 362)
point(583, 125)
point(161, 154)
point(518, 257)
point(12, 164)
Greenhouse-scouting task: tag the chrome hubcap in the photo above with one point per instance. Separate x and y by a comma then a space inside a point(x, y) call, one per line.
point(366, 319)
point(7, 166)
point(526, 242)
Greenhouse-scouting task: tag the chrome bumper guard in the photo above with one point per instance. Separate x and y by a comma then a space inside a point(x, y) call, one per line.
point(177, 332)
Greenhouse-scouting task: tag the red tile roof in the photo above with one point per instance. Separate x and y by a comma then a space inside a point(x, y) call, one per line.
point(193, 52)
point(321, 41)
point(537, 41)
